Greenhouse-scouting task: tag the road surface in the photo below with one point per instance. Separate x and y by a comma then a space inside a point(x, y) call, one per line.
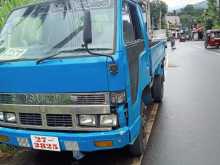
point(186, 129)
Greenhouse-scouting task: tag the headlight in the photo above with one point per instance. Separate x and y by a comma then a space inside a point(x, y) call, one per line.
point(118, 98)
point(108, 121)
point(1, 116)
point(10, 117)
point(87, 120)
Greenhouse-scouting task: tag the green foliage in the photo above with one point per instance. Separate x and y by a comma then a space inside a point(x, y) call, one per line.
point(7, 149)
point(6, 6)
point(190, 10)
point(189, 15)
point(186, 20)
point(212, 9)
point(158, 10)
point(216, 26)
point(212, 16)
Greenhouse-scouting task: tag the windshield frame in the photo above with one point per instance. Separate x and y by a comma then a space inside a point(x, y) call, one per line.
point(79, 54)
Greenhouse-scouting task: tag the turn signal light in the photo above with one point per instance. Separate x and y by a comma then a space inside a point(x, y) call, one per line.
point(104, 144)
point(4, 138)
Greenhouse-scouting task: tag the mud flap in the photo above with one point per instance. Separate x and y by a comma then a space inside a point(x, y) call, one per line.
point(74, 148)
point(78, 155)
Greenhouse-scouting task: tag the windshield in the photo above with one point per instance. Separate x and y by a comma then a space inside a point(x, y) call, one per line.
point(34, 31)
point(217, 34)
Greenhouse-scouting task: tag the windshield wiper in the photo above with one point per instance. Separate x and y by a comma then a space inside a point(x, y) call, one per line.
point(69, 51)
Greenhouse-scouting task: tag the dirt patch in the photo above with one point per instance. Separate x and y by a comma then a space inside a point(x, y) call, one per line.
point(172, 66)
point(7, 152)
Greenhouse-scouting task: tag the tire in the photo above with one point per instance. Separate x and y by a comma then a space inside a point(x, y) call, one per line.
point(158, 89)
point(147, 96)
point(138, 148)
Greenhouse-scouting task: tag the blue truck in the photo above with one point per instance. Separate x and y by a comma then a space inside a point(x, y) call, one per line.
point(76, 75)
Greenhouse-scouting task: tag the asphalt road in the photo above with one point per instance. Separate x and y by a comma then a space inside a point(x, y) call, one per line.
point(186, 130)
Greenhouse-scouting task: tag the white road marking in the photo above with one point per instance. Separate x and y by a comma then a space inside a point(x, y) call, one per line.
point(150, 124)
point(167, 62)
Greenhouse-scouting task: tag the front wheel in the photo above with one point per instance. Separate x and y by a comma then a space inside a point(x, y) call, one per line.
point(138, 148)
point(158, 89)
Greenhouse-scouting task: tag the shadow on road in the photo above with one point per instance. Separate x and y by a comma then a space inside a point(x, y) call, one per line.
point(115, 157)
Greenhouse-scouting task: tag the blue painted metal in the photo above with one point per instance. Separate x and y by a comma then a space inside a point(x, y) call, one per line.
point(87, 74)
point(86, 141)
point(61, 76)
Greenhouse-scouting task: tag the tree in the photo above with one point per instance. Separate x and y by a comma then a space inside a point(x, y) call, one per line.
point(158, 11)
point(190, 15)
point(6, 6)
point(212, 15)
point(186, 20)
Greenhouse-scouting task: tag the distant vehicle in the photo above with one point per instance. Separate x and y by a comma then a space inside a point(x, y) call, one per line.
point(188, 37)
point(182, 37)
point(212, 38)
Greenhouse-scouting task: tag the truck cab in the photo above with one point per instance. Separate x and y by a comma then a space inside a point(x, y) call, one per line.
point(76, 75)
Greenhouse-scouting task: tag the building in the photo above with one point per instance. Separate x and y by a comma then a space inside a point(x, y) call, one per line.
point(173, 22)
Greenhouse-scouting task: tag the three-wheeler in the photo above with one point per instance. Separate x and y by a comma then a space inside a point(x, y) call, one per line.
point(212, 38)
point(76, 75)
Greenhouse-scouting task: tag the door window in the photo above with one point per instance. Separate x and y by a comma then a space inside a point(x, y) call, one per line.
point(128, 30)
point(131, 23)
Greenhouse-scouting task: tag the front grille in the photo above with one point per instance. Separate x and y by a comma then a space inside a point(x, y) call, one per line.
point(89, 99)
point(55, 99)
point(56, 117)
point(59, 120)
point(6, 98)
point(30, 119)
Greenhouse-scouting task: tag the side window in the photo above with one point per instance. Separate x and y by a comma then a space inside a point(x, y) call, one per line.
point(136, 21)
point(128, 28)
point(131, 23)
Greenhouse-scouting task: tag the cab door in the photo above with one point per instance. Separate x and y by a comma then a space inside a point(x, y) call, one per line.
point(135, 48)
point(134, 44)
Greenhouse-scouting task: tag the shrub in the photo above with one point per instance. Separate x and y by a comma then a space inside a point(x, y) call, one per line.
point(6, 6)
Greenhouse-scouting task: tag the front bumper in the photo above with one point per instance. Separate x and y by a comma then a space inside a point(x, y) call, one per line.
point(86, 141)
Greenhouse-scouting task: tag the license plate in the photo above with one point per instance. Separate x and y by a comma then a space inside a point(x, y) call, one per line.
point(45, 143)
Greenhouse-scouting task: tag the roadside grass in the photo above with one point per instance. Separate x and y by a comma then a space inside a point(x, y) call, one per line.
point(7, 6)
point(7, 151)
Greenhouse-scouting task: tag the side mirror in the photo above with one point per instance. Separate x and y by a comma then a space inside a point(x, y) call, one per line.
point(87, 32)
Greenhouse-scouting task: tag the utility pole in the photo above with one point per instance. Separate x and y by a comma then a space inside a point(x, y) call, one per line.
point(218, 4)
point(160, 19)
